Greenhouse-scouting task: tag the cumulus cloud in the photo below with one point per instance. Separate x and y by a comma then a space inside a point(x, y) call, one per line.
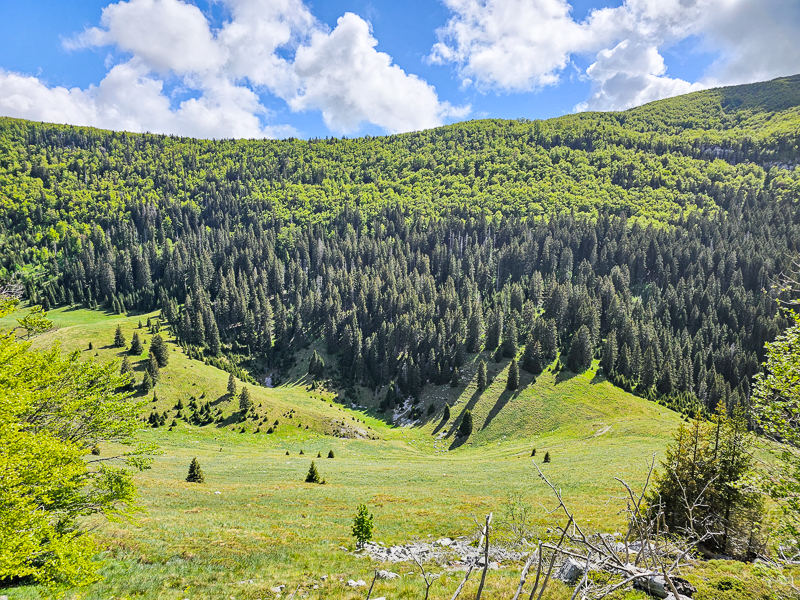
point(522, 45)
point(348, 80)
point(338, 72)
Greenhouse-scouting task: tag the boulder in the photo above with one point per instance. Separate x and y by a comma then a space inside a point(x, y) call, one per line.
point(655, 585)
point(570, 571)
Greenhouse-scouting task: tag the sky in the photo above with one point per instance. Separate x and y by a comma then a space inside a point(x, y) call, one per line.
point(293, 68)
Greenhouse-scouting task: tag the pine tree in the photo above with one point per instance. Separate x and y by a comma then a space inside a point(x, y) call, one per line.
point(580, 352)
point(195, 472)
point(510, 341)
point(648, 378)
point(313, 474)
point(231, 385)
point(159, 349)
point(147, 383)
point(481, 376)
point(465, 429)
point(609, 360)
point(126, 369)
point(214, 344)
point(532, 357)
point(455, 380)
point(152, 369)
point(362, 525)
point(513, 376)
point(136, 344)
point(446, 413)
point(245, 402)
point(119, 338)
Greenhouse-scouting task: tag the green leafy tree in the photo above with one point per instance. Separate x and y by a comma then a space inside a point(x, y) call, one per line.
point(465, 429)
point(195, 472)
point(776, 400)
point(362, 526)
point(313, 475)
point(119, 337)
point(54, 408)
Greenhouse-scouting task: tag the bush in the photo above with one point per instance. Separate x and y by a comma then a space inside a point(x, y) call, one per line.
point(195, 472)
point(330, 453)
point(547, 457)
point(95, 450)
point(362, 525)
point(313, 474)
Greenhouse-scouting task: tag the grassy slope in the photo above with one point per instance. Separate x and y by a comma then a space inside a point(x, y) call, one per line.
point(255, 519)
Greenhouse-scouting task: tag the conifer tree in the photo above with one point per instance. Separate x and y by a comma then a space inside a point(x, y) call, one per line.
point(136, 344)
point(481, 376)
point(147, 383)
point(580, 352)
point(214, 344)
point(547, 457)
point(159, 349)
point(119, 338)
point(455, 380)
point(231, 385)
point(532, 357)
point(313, 474)
point(465, 429)
point(446, 413)
point(245, 402)
point(513, 376)
point(362, 526)
point(195, 472)
point(126, 369)
point(330, 454)
point(609, 359)
point(510, 341)
point(152, 369)
point(649, 367)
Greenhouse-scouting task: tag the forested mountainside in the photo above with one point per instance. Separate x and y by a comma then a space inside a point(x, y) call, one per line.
point(648, 238)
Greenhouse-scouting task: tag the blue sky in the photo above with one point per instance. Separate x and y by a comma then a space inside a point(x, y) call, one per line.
point(275, 68)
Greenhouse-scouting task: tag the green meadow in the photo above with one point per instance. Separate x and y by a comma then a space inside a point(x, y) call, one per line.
point(255, 524)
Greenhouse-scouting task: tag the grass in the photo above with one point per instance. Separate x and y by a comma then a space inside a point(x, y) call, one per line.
point(255, 524)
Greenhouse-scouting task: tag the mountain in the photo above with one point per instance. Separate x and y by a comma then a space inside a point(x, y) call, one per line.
point(645, 238)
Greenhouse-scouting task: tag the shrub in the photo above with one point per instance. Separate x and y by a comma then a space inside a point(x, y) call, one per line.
point(195, 472)
point(547, 457)
point(330, 453)
point(533, 452)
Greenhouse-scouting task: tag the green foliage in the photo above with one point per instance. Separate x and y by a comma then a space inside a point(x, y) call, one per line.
point(147, 383)
point(195, 472)
point(513, 376)
point(136, 345)
point(160, 350)
point(708, 465)
point(119, 338)
point(316, 366)
point(776, 398)
point(54, 409)
point(231, 385)
point(465, 428)
point(313, 475)
point(580, 351)
point(152, 369)
point(362, 525)
point(245, 400)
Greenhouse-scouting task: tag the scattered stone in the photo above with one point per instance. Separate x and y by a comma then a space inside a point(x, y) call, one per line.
point(316, 587)
point(443, 542)
point(324, 578)
point(657, 586)
point(277, 589)
point(246, 581)
point(387, 575)
point(343, 548)
point(359, 583)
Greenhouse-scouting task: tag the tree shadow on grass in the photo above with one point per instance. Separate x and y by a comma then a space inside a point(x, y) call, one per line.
point(501, 403)
point(458, 442)
point(598, 378)
point(564, 375)
point(224, 398)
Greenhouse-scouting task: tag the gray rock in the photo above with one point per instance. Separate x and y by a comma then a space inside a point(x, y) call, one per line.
point(387, 575)
point(570, 571)
point(359, 583)
point(277, 589)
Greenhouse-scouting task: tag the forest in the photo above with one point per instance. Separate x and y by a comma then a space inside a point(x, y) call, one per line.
point(649, 239)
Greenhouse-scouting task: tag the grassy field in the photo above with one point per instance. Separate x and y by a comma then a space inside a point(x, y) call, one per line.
point(255, 524)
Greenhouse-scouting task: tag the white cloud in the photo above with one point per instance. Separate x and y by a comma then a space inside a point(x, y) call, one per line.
point(522, 45)
point(631, 74)
point(338, 72)
point(349, 81)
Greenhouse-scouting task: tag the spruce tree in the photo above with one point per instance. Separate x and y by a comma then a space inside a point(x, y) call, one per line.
point(513, 376)
point(245, 402)
point(481, 376)
point(532, 356)
point(446, 413)
point(231, 385)
point(465, 429)
point(580, 352)
point(313, 474)
point(362, 526)
point(136, 344)
point(649, 374)
point(455, 380)
point(126, 369)
point(195, 472)
point(214, 344)
point(609, 359)
point(159, 349)
point(147, 383)
point(152, 369)
point(510, 343)
point(119, 338)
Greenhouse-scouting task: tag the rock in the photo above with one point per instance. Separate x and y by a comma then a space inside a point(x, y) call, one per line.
point(359, 583)
point(443, 542)
point(316, 587)
point(570, 571)
point(657, 586)
point(324, 578)
point(343, 548)
point(494, 566)
point(387, 575)
point(277, 589)
point(380, 598)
